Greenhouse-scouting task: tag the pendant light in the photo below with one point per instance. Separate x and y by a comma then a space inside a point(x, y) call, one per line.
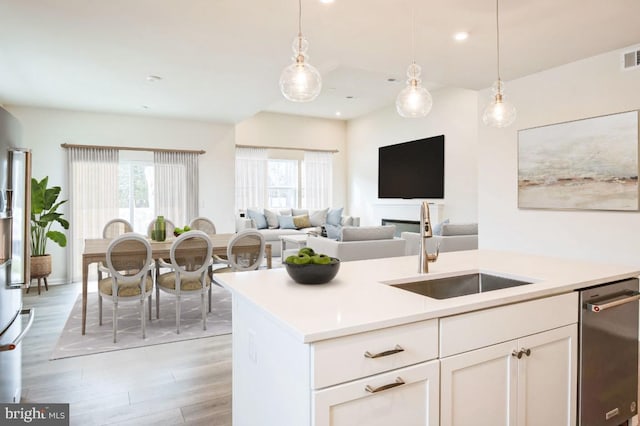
point(413, 101)
point(499, 112)
point(300, 82)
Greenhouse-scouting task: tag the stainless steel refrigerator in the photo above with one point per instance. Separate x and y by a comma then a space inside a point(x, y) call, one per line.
point(15, 210)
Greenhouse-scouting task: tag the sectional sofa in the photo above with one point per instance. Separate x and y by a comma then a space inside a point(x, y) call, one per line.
point(274, 223)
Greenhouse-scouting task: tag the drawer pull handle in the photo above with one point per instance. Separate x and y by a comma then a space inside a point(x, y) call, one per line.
point(527, 351)
point(395, 350)
point(371, 389)
point(517, 354)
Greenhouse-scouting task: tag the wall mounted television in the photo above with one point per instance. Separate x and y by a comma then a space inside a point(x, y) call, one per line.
point(413, 169)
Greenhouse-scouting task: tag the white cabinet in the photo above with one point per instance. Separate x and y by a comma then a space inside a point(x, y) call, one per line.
point(529, 381)
point(407, 396)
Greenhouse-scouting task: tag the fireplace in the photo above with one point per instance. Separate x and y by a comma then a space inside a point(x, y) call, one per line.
point(403, 225)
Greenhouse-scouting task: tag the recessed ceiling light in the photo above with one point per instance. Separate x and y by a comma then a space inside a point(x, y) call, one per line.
point(326, 1)
point(392, 80)
point(350, 97)
point(144, 106)
point(338, 113)
point(461, 36)
point(153, 78)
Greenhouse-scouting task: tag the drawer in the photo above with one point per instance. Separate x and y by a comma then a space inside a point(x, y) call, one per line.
point(407, 396)
point(350, 357)
point(473, 330)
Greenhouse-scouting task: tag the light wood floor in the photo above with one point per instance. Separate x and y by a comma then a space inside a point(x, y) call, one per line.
point(177, 383)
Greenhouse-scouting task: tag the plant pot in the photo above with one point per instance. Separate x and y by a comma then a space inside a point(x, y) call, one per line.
point(40, 266)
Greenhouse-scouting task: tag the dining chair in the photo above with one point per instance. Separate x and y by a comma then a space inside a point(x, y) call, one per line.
point(190, 257)
point(114, 228)
point(245, 252)
point(129, 264)
point(169, 226)
point(203, 224)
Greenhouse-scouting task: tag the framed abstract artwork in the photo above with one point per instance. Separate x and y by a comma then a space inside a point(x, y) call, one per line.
point(588, 164)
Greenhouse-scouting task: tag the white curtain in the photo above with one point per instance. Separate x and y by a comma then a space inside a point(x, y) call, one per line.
point(93, 197)
point(176, 186)
point(318, 179)
point(251, 177)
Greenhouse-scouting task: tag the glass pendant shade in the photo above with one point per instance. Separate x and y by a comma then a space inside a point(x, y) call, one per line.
point(499, 112)
point(414, 100)
point(300, 81)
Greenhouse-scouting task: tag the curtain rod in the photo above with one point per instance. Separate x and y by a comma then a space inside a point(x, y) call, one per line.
point(333, 151)
point(131, 148)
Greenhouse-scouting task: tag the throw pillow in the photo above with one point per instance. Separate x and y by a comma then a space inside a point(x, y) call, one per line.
point(285, 212)
point(449, 229)
point(347, 221)
point(367, 233)
point(272, 218)
point(334, 216)
point(301, 221)
point(437, 228)
point(333, 231)
point(299, 212)
point(286, 222)
point(318, 217)
point(258, 218)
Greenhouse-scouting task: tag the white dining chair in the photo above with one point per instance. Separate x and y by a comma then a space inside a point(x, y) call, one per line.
point(130, 276)
point(190, 257)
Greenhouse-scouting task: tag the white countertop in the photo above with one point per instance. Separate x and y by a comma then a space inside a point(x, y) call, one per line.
point(358, 299)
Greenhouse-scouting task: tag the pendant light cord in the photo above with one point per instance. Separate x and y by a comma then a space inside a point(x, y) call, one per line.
point(413, 32)
point(498, 39)
point(299, 18)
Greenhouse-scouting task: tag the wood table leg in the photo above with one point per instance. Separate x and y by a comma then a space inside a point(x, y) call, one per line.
point(85, 278)
point(46, 285)
point(268, 251)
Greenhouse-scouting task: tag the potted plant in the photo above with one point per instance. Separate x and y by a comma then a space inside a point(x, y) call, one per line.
point(44, 212)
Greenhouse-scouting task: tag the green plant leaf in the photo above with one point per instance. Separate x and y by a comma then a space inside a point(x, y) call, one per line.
point(57, 237)
point(50, 196)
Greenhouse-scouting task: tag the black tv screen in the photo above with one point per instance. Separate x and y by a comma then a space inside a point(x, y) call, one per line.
point(412, 169)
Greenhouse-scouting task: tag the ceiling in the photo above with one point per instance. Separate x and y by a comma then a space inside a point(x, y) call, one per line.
point(220, 60)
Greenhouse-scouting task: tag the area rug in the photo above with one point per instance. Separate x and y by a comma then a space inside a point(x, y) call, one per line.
point(99, 338)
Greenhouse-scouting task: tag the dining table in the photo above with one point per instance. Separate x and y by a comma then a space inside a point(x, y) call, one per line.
point(95, 250)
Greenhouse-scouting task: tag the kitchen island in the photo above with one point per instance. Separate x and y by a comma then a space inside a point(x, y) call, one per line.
point(360, 350)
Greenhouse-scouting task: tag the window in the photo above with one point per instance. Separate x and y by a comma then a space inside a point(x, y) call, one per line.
point(135, 193)
point(282, 183)
point(283, 178)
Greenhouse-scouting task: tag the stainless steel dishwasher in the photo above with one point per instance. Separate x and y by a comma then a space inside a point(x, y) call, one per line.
point(608, 342)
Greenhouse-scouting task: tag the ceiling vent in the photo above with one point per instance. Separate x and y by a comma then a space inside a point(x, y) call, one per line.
point(631, 60)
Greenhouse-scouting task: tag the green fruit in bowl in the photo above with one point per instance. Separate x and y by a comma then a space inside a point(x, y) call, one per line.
point(290, 259)
point(301, 259)
point(307, 250)
point(177, 231)
point(321, 259)
point(186, 228)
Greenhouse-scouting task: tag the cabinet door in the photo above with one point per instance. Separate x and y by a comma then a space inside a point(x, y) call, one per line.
point(413, 403)
point(547, 378)
point(478, 387)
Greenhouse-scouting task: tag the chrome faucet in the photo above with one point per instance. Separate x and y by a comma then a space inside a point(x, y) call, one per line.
point(425, 232)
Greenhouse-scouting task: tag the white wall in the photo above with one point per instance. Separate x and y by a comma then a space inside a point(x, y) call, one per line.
point(453, 115)
point(587, 88)
point(291, 131)
point(45, 129)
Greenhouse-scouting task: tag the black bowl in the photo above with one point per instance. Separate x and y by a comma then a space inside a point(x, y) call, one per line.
point(313, 273)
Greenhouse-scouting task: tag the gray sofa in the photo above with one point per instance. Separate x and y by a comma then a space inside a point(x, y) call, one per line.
point(453, 237)
point(272, 231)
point(359, 243)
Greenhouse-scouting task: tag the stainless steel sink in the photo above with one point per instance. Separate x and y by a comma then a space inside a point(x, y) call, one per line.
point(461, 285)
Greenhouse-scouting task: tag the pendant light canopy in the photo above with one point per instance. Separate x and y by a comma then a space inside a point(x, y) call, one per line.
point(300, 82)
point(499, 112)
point(414, 101)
